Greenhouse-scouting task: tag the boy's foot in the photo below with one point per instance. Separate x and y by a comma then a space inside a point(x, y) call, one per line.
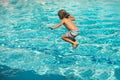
point(75, 44)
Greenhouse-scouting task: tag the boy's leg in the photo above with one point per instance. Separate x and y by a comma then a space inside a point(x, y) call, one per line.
point(73, 39)
point(74, 43)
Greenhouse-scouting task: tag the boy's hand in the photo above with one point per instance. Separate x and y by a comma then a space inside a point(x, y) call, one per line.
point(51, 28)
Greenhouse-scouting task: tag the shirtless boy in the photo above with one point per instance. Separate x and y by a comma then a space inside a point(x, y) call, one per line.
point(66, 20)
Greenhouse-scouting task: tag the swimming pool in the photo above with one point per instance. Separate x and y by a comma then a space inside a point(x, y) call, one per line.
point(31, 51)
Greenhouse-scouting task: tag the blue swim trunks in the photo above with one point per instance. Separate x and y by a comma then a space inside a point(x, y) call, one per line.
point(72, 33)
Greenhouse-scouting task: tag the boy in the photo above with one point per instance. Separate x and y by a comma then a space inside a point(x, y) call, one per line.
point(66, 20)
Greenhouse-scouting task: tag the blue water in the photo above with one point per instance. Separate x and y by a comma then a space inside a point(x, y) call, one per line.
point(31, 51)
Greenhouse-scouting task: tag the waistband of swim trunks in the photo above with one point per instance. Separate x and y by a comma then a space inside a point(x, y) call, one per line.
point(75, 30)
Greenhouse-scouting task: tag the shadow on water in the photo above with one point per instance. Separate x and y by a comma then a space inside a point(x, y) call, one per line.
point(7, 73)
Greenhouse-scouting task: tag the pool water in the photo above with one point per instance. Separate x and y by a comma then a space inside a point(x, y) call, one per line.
point(29, 50)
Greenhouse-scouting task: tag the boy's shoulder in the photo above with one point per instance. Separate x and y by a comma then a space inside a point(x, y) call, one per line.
point(64, 19)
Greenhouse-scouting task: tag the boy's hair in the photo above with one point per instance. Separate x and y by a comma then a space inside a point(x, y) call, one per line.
point(62, 14)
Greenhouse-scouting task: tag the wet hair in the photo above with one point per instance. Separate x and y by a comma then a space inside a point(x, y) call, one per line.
point(63, 14)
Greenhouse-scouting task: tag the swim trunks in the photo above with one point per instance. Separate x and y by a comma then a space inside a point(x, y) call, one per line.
point(72, 33)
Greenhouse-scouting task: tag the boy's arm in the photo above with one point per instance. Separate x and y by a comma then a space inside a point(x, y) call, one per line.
point(72, 18)
point(58, 25)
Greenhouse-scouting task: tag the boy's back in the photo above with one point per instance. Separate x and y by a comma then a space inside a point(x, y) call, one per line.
point(69, 24)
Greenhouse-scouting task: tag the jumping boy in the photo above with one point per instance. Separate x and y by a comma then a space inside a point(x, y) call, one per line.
point(66, 20)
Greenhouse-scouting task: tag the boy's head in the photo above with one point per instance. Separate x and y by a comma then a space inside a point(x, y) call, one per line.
point(62, 14)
